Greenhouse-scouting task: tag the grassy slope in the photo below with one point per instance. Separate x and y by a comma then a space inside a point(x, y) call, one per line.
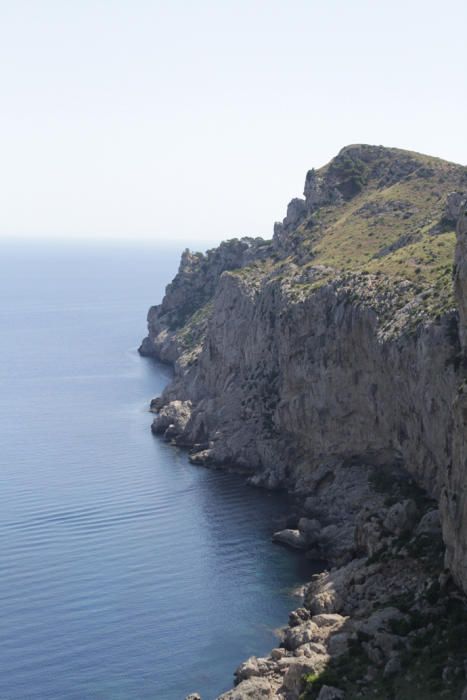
point(352, 237)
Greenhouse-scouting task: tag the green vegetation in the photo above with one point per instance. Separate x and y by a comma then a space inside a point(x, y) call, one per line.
point(194, 328)
point(388, 228)
point(351, 172)
point(342, 672)
point(432, 663)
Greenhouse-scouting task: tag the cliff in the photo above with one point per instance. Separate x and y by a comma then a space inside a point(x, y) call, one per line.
point(337, 341)
point(331, 360)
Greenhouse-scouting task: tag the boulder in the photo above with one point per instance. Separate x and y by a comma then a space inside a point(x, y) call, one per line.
point(310, 649)
point(251, 689)
point(298, 617)
point(430, 524)
point(278, 653)
point(296, 636)
point(291, 538)
point(176, 414)
point(329, 620)
point(327, 591)
point(299, 667)
point(401, 517)
point(250, 668)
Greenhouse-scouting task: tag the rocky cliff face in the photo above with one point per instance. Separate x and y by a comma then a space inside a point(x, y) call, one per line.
point(453, 495)
point(340, 341)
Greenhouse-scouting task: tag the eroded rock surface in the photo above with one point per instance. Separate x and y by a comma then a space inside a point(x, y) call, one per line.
point(331, 361)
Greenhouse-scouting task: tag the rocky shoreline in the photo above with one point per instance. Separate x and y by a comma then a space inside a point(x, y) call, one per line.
point(332, 361)
point(385, 619)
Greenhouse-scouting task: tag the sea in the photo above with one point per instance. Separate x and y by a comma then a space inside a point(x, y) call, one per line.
point(126, 573)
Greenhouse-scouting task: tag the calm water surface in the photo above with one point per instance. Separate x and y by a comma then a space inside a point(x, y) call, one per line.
point(126, 573)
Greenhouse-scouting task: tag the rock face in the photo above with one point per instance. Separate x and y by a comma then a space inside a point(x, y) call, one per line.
point(453, 504)
point(338, 343)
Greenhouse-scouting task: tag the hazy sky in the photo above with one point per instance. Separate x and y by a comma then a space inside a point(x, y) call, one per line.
point(197, 120)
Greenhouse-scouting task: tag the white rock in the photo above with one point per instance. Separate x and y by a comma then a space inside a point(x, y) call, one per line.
point(292, 538)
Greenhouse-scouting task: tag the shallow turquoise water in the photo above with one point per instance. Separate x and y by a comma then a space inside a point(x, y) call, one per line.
point(126, 573)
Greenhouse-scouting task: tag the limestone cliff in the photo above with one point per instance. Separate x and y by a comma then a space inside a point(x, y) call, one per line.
point(338, 341)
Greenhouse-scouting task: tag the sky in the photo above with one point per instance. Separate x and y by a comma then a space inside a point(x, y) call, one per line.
point(196, 120)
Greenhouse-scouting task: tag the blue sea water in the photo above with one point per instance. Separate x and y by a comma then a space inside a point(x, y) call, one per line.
point(125, 572)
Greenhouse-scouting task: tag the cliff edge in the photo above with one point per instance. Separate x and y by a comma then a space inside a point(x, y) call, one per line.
point(342, 339)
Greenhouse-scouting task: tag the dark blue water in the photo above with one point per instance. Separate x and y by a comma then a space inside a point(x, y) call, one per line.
point(125, 572)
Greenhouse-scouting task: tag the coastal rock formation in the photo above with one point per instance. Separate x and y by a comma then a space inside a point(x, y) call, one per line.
point(453, 503)
point(334, 351)
point(283, 367)
point(387, 625)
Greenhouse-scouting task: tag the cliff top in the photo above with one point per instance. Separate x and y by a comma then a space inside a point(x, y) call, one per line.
point(383, 214)
point(376, 222)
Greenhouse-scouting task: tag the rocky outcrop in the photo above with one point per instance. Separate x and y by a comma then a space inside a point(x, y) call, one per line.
point(334, 352)
point(287, 372)
point(386, 622)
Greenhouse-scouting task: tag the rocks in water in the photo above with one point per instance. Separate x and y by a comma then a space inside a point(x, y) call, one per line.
point(156, 404)
point(291, 538)
point(250, 668)
point(298, 617)
point(173, 417)
point(193, 696)
point(202, 457)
